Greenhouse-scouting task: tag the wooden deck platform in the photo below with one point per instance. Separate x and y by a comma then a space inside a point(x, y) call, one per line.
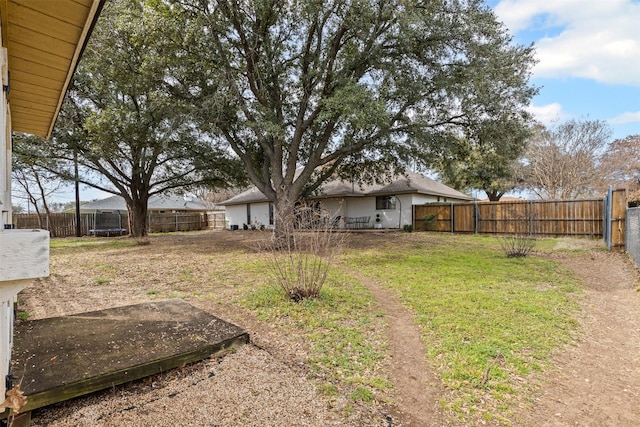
point(60, 358)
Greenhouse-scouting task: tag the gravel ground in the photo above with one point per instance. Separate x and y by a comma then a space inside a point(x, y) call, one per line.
point(247, 387)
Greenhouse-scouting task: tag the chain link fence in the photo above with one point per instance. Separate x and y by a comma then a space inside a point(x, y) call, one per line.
point(632, 234)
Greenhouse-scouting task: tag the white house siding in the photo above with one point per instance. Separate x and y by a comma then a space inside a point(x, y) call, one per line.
point(389, 218)
point(421, 199)
point(366, 206)
point(7, 291)
point(5, 153)
point(395, 218)
point(335, 206)
point(345, 207)
point(237, 215)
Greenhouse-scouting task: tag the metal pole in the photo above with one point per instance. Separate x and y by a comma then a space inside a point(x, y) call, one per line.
point(609, 213)
point(77, 185)
point(476, 211)
point(452, 219)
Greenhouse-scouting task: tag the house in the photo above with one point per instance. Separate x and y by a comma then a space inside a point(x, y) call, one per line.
point(111, 214)
point(357, 206)
point(42, 42)
point(160, 203)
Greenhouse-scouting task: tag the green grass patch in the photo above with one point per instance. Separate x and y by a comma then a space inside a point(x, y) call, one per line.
point(487, 320)
point(341, 326)
point(329, 390)
point(362, 394)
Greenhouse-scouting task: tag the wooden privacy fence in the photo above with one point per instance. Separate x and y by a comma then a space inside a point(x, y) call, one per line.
point(217, 220)
point(64, 224)
point(58, 224)
point(532, 217)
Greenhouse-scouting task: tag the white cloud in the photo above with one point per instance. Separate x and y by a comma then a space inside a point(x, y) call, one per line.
point(625, 118)
point(547, 114)
point(592, 39)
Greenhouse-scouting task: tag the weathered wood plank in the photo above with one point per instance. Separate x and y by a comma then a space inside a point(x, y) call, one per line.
point(61, 358)
point(537, 217)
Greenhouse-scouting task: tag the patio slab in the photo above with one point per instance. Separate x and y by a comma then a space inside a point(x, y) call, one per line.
point(60, 358)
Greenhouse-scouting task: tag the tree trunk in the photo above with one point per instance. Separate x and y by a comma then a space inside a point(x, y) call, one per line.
point(494, 195)
point(138, 217)
point(43, 197)
point(285, 220)
point(37, 209)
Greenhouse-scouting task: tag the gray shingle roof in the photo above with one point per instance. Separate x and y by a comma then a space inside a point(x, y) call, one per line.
point(157, 202)
point(408, 183)
point(252, 195)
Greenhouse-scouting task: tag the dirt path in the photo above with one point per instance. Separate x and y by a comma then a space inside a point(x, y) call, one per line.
point(597, 381)
point(416, 387)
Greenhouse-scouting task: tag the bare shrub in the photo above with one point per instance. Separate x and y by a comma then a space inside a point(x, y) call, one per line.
point(517, 245)
point(142, 241)
point(300, 262)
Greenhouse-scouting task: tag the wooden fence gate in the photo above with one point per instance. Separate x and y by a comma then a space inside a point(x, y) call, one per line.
point(584, 218)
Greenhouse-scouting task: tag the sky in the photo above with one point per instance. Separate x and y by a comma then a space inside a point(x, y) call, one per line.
point(588, 54)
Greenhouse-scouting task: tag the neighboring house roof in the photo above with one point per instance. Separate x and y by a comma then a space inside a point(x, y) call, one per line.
point(409, 183)
point(157, 202)
point(44, 40)
point(252, 195)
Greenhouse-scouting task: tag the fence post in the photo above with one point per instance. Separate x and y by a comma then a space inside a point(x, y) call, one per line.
point(414, 221)
point(453, 227)
point(608, 207)
point(476, 213)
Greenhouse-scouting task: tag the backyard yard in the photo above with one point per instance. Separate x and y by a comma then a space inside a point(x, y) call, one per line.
point(411, 329)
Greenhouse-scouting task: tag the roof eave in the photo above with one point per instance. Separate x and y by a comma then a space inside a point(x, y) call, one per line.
point(55, 63)
point(92, 18)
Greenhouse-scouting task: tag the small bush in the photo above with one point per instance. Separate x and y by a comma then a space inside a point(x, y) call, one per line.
point(408, 228)
point(143, 241)
point(300, 262)
point(429, 221)
point(517, 245)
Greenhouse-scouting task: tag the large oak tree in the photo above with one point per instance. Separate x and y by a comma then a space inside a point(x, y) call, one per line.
point(130, 134)
point(302, 90)
point(486, 158)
